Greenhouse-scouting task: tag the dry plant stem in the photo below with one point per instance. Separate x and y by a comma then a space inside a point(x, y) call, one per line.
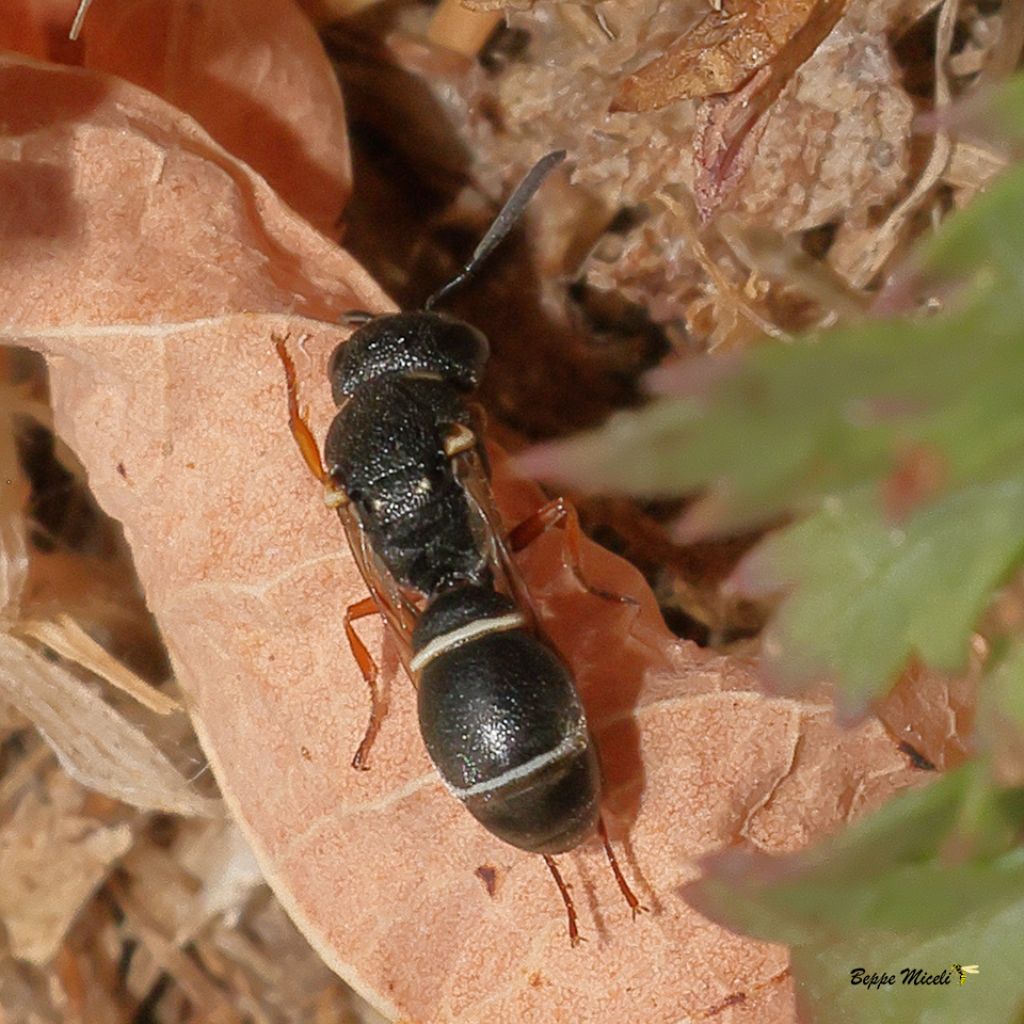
point(730, 295)
point(889, 233)
point(782, 259)
point(76, 25)
point(207, 999)
point(457, 28)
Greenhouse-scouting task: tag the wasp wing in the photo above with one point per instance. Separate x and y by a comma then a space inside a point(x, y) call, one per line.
point(472, 472)
point(395, 603)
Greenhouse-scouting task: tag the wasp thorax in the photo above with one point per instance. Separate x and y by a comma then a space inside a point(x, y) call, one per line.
point(409, 345)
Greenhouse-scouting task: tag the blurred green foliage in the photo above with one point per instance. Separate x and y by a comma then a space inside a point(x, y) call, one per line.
point(892, 453)
point(905, 889)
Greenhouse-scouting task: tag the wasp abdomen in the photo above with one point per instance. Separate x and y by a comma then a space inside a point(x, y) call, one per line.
point(503, 723)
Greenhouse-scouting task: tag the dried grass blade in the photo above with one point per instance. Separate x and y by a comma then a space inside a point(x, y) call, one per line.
point(66, 637)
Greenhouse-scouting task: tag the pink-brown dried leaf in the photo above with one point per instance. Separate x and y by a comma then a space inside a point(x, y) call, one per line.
point(252, 72)
point(934, 713)
point(175, 268)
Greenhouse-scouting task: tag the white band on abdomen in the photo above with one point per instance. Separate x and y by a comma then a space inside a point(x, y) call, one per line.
point(573, 743)
point(457, 637)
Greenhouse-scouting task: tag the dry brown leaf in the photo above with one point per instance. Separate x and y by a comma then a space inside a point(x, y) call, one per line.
point(834, 142)
point(94, 743)
point(934, 713)
point(175, 401)
point(234, 65)
point(51, 861)
point(727, 46)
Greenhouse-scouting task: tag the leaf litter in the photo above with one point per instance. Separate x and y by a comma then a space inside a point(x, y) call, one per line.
point(175, 267)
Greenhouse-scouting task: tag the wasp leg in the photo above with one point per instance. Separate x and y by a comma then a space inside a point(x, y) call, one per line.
point(570, 908)
point(297, 417)
point(335, 497)
point(559, 513)
point(378, 704)
point(635, 906)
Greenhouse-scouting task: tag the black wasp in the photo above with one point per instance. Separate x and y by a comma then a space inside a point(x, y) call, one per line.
point(408, 474)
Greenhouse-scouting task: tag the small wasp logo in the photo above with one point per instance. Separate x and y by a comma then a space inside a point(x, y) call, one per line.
point(964, 971)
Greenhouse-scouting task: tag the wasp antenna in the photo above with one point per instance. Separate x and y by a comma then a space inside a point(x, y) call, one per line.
point(502, 225)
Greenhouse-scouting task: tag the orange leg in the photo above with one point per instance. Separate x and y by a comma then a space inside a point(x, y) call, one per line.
point(378, 705)
point(297, 417)
point(634, 904)
point(559, 513)
point(333, 495)
point(361, 609)
point(570, 909)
